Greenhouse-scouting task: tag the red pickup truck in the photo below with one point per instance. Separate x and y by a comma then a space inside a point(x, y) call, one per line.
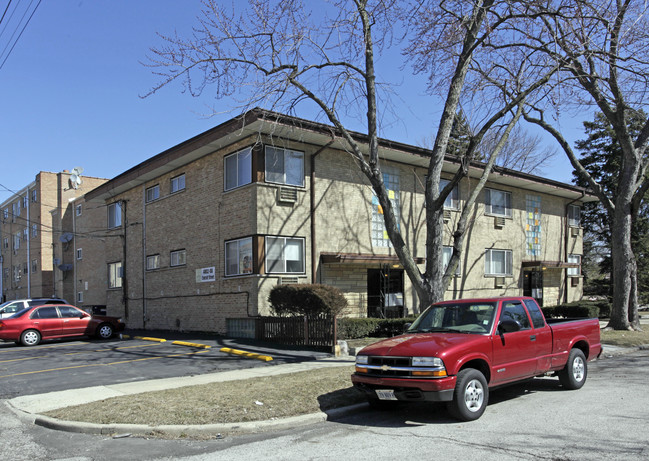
point(456, 351)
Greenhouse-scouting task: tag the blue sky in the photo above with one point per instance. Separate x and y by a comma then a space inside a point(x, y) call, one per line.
point(71, 86)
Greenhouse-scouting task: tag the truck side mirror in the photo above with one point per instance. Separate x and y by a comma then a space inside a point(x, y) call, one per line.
point(406, 326)
point(508, 326)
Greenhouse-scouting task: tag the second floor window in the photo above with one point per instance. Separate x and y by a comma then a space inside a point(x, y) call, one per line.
point(177, 183)
point(152, 262)
point(79, 253)
point(238, 169)
point(498, 202)
point(153, 193)
point(284, 166)
point(114, 215)
point(498, 263)
point(452, 201)
point(574, 216)
point(79, 210)
point(448, 252)
point(574, 271)
point(238, 256)
point(178, 258)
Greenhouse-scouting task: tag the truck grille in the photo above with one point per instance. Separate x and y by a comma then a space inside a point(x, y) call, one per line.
point(389, 366)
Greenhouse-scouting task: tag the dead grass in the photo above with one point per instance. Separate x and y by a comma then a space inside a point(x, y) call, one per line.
point(626, 338)
point(227, 402)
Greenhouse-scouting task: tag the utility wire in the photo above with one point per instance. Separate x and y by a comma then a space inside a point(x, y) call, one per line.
point(21, 32)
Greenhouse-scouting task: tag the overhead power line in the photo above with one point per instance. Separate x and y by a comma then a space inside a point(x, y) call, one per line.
point(11, 40)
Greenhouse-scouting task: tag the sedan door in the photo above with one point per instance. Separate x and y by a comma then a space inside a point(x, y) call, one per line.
point(46, 319)
point(74, 322)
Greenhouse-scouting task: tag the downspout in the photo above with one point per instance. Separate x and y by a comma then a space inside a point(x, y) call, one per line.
point(565, 246)
point(124, 253)
point(29, 267)
point(314, 265)
point(144, 258)
point(75, 293)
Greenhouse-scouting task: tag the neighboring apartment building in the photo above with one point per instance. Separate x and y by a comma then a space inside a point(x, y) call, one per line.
point(198, 235)
point(36, 235)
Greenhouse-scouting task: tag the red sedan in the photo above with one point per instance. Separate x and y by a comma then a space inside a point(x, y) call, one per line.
point(29, 326)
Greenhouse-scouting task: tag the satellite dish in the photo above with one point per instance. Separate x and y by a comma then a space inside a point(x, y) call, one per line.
point(75, 177)
point(65, 267)
point(66, 237)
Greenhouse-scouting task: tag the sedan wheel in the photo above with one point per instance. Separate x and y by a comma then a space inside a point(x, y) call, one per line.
point(30, 338)
point(105, 331)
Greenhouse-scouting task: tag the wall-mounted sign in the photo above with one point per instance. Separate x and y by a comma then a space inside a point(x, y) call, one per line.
point(206, 274)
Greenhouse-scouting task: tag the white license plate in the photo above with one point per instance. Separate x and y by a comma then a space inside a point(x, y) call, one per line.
point(385, 394)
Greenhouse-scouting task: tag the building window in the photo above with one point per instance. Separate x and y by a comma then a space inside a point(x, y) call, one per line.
point(498, 263)
point(284, 166)
point(5, 273)
point(34, 266)
point(79, 210)
point(452, 201)
point(448, 252)
point(17, 241)
point(178, 258)
point(284, 255)
point(153, 193)
point(238, 257)
point(80, 253)
point(114, 215)
point(574, 216)
point(25, 201)
point(238, 169)
point(25, 269)
point(533, 234)
point(498, 202)
point(178, 183)
point(5, 213)
point(115, 275)
point(17, 274)
point(34, 196)
point(80, 297)
point(16, 209)
point(25, 233)
point(5, 242)
point(152, 262)
point(34, 230)
point(574, 271)
point(379, 233)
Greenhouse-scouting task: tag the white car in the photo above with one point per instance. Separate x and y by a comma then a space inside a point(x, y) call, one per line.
point(9, 308)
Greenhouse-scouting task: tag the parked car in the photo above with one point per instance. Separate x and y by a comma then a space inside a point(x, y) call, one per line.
point(9, 308)
point(456, 351)
point(29, 326)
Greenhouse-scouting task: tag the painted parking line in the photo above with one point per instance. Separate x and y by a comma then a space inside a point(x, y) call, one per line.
point(251, 355)
point(100, 364)
point(43, 346)
point(162, 340)
point(77, 353)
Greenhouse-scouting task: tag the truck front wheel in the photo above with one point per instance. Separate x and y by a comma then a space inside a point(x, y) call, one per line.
point(470, 397)
point(574, 374)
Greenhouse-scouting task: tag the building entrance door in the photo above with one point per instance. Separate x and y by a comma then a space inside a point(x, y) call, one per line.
point(533, 285)
point(385, 292)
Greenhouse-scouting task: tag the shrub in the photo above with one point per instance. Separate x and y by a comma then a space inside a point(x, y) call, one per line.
point(371, 327)
point(311, 300)
point(579, 309)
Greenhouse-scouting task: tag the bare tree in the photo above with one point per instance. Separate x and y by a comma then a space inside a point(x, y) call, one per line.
point(601, 50)
point(280, 53)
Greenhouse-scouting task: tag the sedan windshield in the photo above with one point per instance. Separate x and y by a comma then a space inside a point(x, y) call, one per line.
point(468, 317)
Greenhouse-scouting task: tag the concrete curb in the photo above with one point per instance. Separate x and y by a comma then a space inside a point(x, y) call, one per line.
point(215, 430)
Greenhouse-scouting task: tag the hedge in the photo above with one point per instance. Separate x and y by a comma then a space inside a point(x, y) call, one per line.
point(352, 328)
point(311, 300)
point(579, 309)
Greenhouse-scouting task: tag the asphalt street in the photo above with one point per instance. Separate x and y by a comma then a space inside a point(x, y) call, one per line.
point(606, 419)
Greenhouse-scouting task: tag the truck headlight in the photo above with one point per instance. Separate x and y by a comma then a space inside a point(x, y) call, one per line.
point(362, 360)
point(427, 362)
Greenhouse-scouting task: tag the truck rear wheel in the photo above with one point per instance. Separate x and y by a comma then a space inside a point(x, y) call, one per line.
point(574, 374)
point(470, 397)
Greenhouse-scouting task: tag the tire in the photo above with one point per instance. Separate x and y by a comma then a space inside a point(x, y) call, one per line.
point(470, 397)
point(105, 331)
point(574, 375)
point(30, 338)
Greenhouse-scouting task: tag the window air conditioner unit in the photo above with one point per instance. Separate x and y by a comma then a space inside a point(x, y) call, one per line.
point(288, 280)
point(574, 281)
point(499, 282)
point(287, 195)
point(499, 222)
point(447, 215)
point(574, 231)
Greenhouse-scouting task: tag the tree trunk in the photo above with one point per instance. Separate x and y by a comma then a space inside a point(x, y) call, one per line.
point(623, 268)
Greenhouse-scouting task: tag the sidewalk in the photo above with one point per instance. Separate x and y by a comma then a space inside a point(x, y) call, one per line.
point(30, 407)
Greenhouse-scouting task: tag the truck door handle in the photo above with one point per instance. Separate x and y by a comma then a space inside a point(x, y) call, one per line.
point(533, 338)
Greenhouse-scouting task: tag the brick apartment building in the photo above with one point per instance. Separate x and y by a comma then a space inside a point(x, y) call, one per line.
point(36, 234)
point(196, 236)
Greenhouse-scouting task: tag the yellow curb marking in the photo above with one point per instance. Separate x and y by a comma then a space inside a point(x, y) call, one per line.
point(185, 343)
point(146, 338)
point(251, 355)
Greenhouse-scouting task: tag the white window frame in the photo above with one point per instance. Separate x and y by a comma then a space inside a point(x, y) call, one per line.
point(178, 183)
point(152, 193)
point(34, 230)
point(237, 160)
point(238, 257)
point(490, 205)
point(447, 253)
point(79, 210)
point(153, 262)
point(34, 195)
point(115, 209)
point(16, 208)
point(80, 296)
point(574, 216)
point(284, 162)
point(25, 233)
point(25, 201)
point(5, 242)
point(115, 275)
point(17, 241)
point(490, 261)
point(5, 213)
point(178, 258)
point(452, 201)
point(79, 254)
point(271, 241)
point(34, 266)
point(574, 271)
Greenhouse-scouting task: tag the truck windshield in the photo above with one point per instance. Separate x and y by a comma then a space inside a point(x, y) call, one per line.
point(469, 317)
